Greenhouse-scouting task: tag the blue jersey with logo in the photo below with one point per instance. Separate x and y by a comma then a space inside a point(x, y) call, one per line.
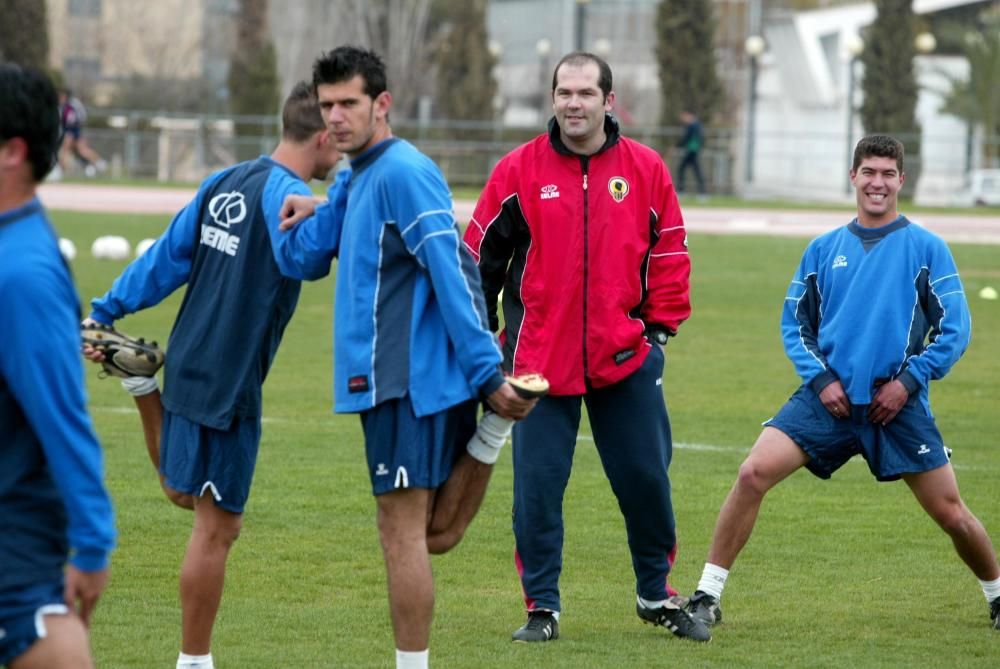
point(53, 502)
point(243, 278)
point(410, 318)
point(870, 305)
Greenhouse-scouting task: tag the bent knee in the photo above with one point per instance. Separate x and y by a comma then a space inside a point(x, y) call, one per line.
point(954, 518)
point(752, 479)
point(441, 542)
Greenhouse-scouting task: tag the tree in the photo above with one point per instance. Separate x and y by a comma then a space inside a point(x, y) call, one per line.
point(24, 33)
point(685, 52)
point(397, 31)
point(976, 99)
point(889, 83)
point(465, 83)
point(253, 72)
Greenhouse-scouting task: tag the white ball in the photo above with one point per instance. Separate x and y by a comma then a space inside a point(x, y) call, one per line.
point(67, 248)
point(988, 293)
point(111, 247)
point(99, 249)
point(143, 246)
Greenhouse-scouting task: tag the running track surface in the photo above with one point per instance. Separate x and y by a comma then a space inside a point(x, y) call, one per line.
point(787, 223)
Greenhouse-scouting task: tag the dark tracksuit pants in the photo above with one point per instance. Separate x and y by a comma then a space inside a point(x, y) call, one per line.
point(632, 433)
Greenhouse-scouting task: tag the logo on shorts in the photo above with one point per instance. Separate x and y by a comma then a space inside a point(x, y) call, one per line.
point(381, 470)
point(402, 479)
point(550, 192)
point(839, 261)
point(618, 188)
point(923, 450)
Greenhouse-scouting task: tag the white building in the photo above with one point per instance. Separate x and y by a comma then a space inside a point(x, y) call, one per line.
point(805, 126)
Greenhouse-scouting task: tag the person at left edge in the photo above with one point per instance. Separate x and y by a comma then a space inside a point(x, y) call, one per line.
point(243, 279)
point(53, 502)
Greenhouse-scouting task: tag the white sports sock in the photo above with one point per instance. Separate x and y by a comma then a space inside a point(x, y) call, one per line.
point(185, 661)
point(490, 436)
point(653, 604)
point(140, 385)
point(713, 580)
point(411, 659)
point(991, 589)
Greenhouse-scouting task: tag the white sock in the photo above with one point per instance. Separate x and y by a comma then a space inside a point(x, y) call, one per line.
point(713, 580)
point(411, 659)
point(991, 589)
point(185, 661)
point(655, 603)
point(140, 385)
point(490, 436)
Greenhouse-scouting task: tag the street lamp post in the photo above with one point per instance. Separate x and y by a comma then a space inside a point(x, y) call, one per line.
point(543, 47)
point(853, 48)
point(754, 47)
point(581, 23)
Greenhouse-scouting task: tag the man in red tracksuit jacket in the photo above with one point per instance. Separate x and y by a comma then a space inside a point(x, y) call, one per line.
point(582, 231)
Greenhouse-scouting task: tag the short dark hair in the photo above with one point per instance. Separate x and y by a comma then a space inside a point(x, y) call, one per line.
point(346, 62)
point(30, 110)
point(300, 117)
point(581, 58)
point(883, 146)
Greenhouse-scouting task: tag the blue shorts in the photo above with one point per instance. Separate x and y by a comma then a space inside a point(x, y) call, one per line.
point(195, 459)
point(909, 444)
point(405, 451)
point(22, 612)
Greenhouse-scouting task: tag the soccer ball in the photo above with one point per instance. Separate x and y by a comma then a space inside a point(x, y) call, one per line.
point(111, 247)
point(143, 246)
point(67, 248)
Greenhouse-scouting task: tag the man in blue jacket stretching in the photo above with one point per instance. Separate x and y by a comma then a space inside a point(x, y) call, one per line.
point(875, 312)
point(413, 353)
point(243, 278)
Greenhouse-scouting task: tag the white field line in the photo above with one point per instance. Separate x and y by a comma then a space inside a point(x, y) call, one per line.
point(680, 445)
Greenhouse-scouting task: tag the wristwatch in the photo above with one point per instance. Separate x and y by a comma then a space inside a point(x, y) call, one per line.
point(659, 336)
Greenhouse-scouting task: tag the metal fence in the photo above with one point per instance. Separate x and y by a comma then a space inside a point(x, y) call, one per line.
point(807, 164)
point(174, 148)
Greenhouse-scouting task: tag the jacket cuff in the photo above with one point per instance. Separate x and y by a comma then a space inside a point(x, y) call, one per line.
point(909, 382)
point(822, 380)
point(491, 385)
point(90, 559)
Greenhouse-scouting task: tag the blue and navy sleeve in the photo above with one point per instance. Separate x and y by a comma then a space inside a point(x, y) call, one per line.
point(800, 320)
point(306, 251)
point(161, 270)
point(426, 219)
point(947, 312)
point(41, 363)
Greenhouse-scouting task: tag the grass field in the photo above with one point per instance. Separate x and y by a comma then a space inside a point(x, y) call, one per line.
point(843, 573)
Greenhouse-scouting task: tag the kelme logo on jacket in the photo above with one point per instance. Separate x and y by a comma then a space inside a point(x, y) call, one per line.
point(226, 210)
point(549, 192)
point(618, 188)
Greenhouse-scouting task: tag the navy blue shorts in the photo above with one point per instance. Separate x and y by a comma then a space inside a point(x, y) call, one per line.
point(405, 451)
point(22, 612)
point(909, 444)
point(195, 459)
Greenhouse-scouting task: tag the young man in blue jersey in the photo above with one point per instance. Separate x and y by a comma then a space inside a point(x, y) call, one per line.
point(875, 311)
point(412, 349)
point(53, 502)
point(243, 279)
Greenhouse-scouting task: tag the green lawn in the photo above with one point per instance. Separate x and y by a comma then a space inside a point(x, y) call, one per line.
point(844, 573)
